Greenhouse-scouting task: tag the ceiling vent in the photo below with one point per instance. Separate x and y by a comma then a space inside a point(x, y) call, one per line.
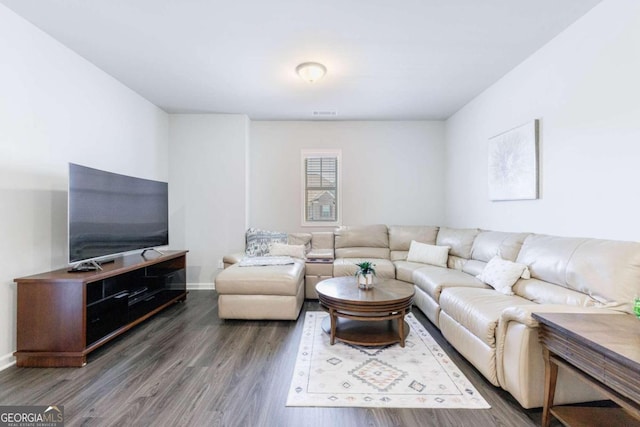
point(325, 113)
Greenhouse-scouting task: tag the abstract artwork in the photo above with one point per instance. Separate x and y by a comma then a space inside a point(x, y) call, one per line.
point(513, 164)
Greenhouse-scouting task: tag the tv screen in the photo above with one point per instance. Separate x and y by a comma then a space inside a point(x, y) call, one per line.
point(111, 213)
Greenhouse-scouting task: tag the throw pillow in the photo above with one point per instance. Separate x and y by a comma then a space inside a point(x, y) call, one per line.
point(259, 241)
point(501, 274)
point(428, 254)
point(281, 249)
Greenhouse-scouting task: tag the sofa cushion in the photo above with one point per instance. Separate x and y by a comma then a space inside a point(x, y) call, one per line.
point(322, 240)
point(347, 267)
point(366, 236)
point(488, 244)
point(367, 241)
point(478, 310)
point(501, 274)
point(398, 255)
point(267, 280)
point(362, 252)
point(456, 263)
point(300, 239)
point(473, 267)
point(405, 269)
point(428, 254)
point(547, 256)
point(460, 240)
point(400, 236)
point(433, 280)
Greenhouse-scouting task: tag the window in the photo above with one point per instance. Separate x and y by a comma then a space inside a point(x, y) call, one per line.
point(321, 187)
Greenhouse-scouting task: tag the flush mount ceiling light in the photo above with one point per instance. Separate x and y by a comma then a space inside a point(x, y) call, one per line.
point(311, 71)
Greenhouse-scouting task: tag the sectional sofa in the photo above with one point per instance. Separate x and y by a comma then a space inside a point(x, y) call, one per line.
point(492, 329)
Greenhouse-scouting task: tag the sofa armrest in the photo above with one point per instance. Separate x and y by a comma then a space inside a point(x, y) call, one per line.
point(231, 259)
point(522, 315)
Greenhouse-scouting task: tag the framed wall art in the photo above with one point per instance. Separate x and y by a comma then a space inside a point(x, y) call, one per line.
point(513, 163)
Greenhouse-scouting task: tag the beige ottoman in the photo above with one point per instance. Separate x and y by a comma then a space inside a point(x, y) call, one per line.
point(261, 292)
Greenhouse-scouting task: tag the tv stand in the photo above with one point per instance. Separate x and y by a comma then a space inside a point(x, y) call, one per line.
point(64, 316)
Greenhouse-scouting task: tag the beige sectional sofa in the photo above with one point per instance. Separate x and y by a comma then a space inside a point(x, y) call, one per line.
point(493, 331)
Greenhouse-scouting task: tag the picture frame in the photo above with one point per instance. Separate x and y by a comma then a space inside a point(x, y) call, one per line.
point(513, 163)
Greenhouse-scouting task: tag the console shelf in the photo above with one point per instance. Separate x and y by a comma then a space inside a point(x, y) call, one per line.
point(63, 316)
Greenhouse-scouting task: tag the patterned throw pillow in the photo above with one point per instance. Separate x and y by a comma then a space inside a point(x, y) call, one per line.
point(501, 274)
point(259, 241)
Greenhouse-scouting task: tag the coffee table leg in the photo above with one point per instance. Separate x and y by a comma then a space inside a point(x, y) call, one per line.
point(333, 326)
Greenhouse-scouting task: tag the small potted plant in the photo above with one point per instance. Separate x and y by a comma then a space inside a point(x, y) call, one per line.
point(365, 273)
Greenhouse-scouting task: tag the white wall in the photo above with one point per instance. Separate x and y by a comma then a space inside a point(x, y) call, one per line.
point(391, 171)
point(585, 87)
point(55, 108)
point(208, 187)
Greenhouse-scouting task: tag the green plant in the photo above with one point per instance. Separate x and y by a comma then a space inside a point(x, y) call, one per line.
point(366, 267)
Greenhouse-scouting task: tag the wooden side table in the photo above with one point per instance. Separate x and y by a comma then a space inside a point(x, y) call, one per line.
point(604, 349)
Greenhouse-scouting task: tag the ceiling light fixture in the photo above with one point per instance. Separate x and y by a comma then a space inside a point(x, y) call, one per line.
point(311, 71)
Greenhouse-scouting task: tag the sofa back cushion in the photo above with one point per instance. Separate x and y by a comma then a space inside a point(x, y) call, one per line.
point(400, 237)
point(303, 239)
point(368, 241)
point(460, 240)
point(606, 270)
point(489, 244)
point(322, 240)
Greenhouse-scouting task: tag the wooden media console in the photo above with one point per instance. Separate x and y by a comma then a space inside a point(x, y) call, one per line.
point(63, 316)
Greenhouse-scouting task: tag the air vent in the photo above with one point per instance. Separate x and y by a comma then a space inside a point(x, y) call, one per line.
point(325, 113)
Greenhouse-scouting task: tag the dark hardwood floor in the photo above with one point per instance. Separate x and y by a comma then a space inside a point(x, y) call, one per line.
point(186, 367)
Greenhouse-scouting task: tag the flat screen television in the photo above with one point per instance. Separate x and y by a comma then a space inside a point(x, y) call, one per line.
point(110, 214)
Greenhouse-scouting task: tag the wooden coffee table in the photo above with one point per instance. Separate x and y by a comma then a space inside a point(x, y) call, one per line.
point(371, 317)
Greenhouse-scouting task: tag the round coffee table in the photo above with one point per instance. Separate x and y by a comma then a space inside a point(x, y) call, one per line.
point(370, 317)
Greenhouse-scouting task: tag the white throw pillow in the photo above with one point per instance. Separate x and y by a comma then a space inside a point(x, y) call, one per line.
point(501, 274)
point(282, 249)
point(428, 254)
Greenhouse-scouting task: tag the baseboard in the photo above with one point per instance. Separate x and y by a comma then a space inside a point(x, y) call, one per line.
point(201, 286)
point(7, 361)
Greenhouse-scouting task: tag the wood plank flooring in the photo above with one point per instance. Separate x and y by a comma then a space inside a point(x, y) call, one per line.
point(186, 367)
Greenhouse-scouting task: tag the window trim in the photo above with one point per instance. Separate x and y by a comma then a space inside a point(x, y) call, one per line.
point(305, 154)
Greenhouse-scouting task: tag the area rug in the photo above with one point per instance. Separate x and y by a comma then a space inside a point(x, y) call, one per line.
point(420, 375)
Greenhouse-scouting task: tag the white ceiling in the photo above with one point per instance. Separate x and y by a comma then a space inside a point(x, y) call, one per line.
point(386, 59)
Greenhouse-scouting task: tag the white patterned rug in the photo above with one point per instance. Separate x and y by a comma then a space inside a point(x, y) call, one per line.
point(420, 375)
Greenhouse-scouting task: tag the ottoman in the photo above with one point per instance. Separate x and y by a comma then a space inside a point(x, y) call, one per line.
point(261, 292)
